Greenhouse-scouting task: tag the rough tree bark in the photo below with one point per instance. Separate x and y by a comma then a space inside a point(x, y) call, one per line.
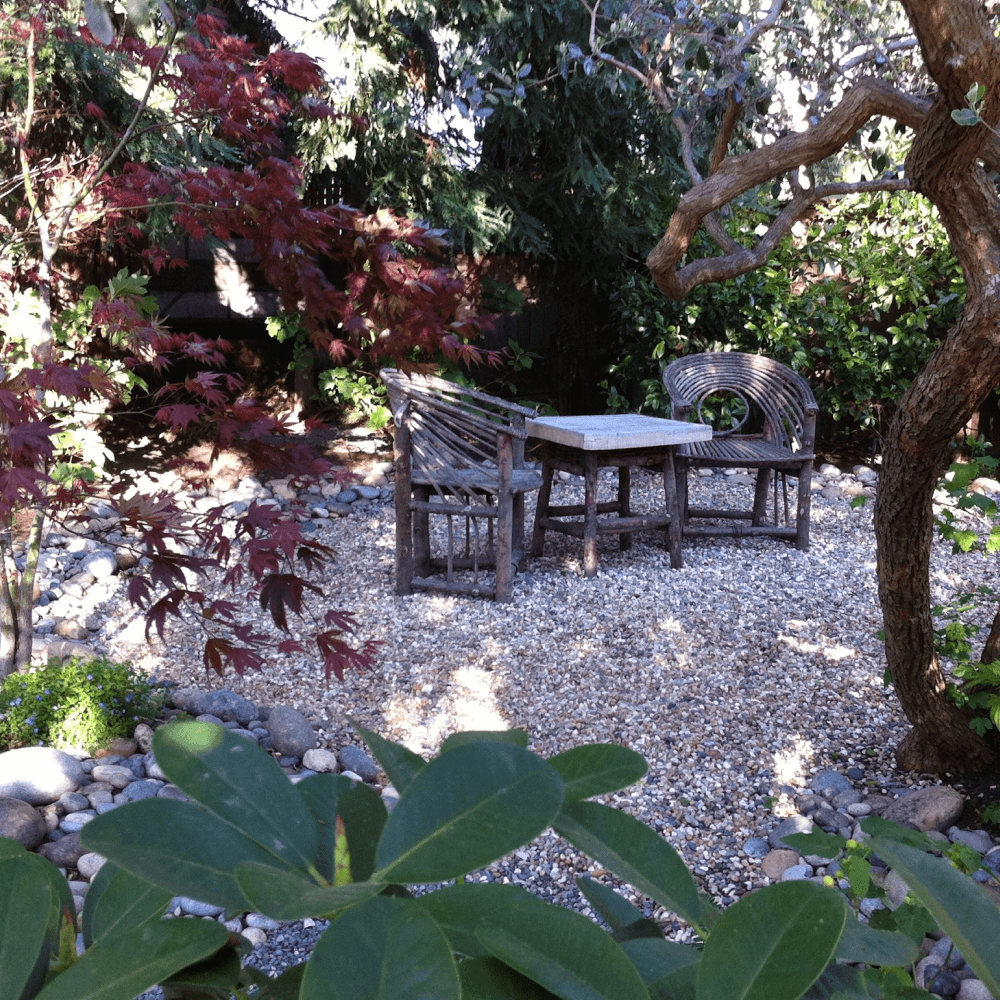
point(946, 165)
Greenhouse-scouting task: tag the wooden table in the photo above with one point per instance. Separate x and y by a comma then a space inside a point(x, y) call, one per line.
point(582, 446)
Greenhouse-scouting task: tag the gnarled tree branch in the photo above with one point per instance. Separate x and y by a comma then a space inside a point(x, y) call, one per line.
point(740, 174)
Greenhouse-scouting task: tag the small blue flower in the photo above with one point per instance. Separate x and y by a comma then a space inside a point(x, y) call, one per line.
point(101, 703)
point(90, 677)
point(15, 702)
point(38, 697)
point(30, 721)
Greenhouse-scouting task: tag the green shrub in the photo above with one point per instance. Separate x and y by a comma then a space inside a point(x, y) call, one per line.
point(83, 703)
point(326, 847)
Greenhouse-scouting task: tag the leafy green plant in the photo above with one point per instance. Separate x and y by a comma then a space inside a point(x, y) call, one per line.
point(327, 848)
point(83, 703)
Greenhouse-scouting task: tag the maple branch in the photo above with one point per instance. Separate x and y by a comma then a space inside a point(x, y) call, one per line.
point(740, 174)
point(89, 185)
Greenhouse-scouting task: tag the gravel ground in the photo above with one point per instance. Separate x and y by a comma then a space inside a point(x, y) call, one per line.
point(745, 671)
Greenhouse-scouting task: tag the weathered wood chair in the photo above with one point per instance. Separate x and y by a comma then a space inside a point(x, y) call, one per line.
point(459, 454)
point(764, 417)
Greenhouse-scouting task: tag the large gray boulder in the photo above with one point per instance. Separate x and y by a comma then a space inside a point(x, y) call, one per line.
point(38, 775)
point(290, 731)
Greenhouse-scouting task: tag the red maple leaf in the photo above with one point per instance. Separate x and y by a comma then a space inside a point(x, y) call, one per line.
point(281, 591)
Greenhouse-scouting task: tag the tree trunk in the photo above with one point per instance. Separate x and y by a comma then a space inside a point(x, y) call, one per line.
point(943, 164)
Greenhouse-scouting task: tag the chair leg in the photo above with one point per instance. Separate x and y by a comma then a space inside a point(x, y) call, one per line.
point(421, 562)
point(803, 499)
point(542, 509)
point(760, 497)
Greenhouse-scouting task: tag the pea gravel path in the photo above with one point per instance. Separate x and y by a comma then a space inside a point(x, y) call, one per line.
point(743, 672)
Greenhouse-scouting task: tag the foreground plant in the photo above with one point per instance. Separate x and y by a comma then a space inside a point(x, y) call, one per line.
point(327, 848)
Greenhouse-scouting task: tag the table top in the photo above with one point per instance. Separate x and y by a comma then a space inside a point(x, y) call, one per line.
point(616, 431)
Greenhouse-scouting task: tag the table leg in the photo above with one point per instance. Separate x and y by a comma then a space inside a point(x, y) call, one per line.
point(542, 508)
point(590, 469)
point(624, 504)
point(671, 496)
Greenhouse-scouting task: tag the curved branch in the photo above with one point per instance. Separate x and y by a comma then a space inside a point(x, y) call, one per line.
point(740, 174)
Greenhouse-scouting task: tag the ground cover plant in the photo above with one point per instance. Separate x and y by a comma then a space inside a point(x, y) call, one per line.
point(79, 704)
point(326, 847)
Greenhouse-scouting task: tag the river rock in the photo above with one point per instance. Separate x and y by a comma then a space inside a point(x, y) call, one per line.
point(21, 822)
point(64, 852)
point(323, 761)
point(934, 808)
point(793, 824)
point(290, 731)
point(38, 775)
point(778, 862)
point(354, 759)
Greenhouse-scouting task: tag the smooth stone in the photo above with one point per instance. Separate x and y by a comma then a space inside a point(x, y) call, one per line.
point(829, 783)
point(259, 920)
point(114, 774)
point(138, 790)
point(224, 704)
point(351, 776)
point(933, 808)
point(777, 862)
point(793, 824)
point(992, 861)
point(100, 564)
point(354, 759)
point(135, 765)
point(172, 792)
point(949, 956)
point(848, 798)
point(797, 873)
point(121, 746)
point(88, 865)
point(153, 770)
point(144, 736)
point(859, 809)
point(38, 775)
point(323, 761)
point(978, 840)
point(22, 822)
point(195, 908)
point(973, 989)
point(246, 733)
point(73, 802)
point(755, 847)
point(208, 717)
point(75, 822)
point(254, 935)
point(98, 795)
point(870, 905)
point(291, 731)
point(103, 807)
point(64, 852)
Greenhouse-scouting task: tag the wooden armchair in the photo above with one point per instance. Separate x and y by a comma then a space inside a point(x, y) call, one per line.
point(459, 454)
point(764, 418)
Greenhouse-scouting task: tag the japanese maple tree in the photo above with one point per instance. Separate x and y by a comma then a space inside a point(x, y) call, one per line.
point(193, 143)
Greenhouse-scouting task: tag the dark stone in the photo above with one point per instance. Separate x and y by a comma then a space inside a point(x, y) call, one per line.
point(830, 783)
point(64, 852)
point(793, 824)
point(354, 759)
point(290, 731)
point(140, 790)
point(21, 822)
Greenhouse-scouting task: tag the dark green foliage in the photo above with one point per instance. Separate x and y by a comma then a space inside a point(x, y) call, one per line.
point(479, 799)
point(857, 308)
point(83, 703)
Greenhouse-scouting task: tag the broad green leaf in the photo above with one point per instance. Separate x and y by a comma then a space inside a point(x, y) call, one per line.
point(616, 911)
point(118, 900)
point(460, 909)
point(232, 777)
point(400, 765)
point(328, 796)
point(178, 846)
point(285, 987)
point(489, 979)
point(465, 809)
point(681, 984)
point(826, 845)
point(11, 849)
point(862, 944)
point(839, 982)
point(911, 919)
point(859, 873)
point(772, 944)
point(515, 737)
point(655, 958)
point(384, 949)
point(289, 895)
point(965, 116)
point(213, 977)
point(634, 852)
point(964, 911)
point(123, 966)
point(26, 905)
point(876, 826)
point(597, 769)
point(563, 951)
